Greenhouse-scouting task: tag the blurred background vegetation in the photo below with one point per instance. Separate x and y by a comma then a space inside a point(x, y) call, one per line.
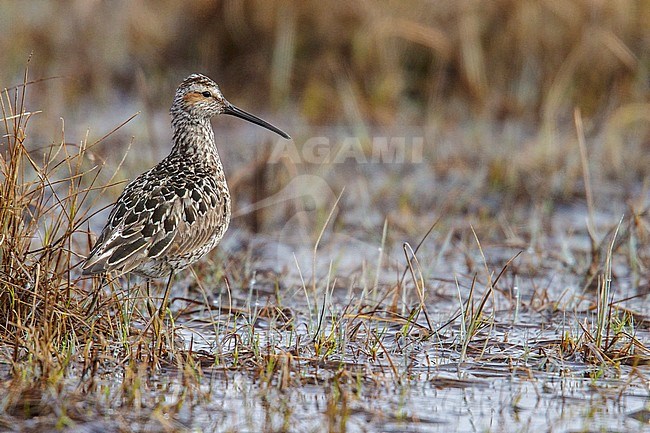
point(491, 87)
point(398, 62)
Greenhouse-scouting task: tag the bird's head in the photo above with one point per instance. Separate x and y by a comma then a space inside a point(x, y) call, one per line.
point(201, 98)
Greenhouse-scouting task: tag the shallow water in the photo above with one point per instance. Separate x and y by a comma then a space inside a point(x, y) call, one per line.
point(355, 353)
point(500, 405)
point(514, 377)
point(433, 402)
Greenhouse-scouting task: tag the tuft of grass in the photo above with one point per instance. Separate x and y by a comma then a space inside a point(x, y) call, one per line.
point(42, 212)
point(46, 329)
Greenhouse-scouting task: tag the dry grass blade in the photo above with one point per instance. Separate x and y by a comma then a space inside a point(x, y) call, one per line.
point(42, 212)
point(320, 236)
point(419, 282)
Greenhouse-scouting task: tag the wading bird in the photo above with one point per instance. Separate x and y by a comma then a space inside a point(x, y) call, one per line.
point(174, 214)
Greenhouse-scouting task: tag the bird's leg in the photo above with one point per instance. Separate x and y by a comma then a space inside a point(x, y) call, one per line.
point(163, 306)
point(150, 306)
point(158, 321)
point(93, 302)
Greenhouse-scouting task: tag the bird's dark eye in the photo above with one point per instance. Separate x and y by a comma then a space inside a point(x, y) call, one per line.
point(207, 94)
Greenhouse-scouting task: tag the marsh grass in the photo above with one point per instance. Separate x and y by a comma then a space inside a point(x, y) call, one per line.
point(47, 334)
point(41, 201)
point(348, 333)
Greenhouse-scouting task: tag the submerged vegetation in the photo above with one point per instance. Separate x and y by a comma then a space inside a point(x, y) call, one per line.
point(455, 276)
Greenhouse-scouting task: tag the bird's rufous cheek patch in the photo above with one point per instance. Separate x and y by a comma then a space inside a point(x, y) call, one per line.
point(193, 98)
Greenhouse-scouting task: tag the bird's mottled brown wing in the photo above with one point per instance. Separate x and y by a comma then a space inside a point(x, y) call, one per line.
point(150, 221)
point(134, 225)
point(199, 228)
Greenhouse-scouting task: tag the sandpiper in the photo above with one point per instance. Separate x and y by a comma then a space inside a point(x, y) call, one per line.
point(174, 214)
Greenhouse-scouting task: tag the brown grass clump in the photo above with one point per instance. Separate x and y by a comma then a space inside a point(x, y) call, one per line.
point(63, 356)
point(41, 197)
point(44, 206)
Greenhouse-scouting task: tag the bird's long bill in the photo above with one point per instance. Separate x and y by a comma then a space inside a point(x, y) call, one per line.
point(234, 111)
